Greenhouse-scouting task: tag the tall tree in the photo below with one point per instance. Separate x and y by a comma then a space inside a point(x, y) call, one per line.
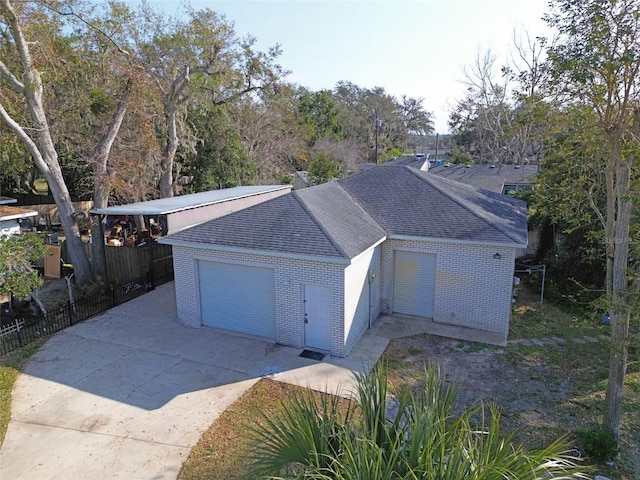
point(499, 119)
point(26, 82)
point(318, 114)
point(94, 87)
point(269, 132)
point(196, 60)
point(218, 159)
point(370, 114)
point(597, 60)
point(93, 81)
point(416, 119)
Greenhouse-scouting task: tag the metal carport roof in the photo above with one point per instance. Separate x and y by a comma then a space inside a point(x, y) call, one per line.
point(164, 206)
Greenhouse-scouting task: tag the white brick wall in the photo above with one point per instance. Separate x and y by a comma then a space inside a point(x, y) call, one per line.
point(290, 277)
point(473, 289)
point(361, 298)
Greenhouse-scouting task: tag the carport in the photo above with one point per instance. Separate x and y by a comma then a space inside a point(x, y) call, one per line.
point(174, 214)
point(177, 213)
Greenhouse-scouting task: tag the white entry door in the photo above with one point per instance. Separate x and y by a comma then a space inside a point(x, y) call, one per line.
point(317, 317)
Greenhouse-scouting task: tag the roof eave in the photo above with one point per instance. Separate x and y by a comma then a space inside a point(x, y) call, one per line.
point(374, 245)
point(271, 253)
point(17, 216)
point(459, 242)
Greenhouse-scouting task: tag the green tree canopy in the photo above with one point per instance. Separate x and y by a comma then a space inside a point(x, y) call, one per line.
point(319, 114)
point(324, 168)
point(18, 257)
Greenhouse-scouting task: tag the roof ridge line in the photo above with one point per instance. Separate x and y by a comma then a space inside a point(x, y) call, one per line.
point(320, 225)
point(452, 198)
point(362, 207)
point(356, 202)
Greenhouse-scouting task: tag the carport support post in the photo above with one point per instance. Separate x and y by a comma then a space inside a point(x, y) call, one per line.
point(98, 251)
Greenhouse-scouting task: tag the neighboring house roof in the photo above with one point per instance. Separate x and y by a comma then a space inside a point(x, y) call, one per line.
point(14, 213)
point(431, 152)
point(491, 177)
point(343, 218)
point(414, 162)
point(165, 206)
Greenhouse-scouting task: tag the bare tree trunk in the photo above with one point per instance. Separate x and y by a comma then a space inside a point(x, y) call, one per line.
point(41, 147)
point(610, 225)
point(620, 301)
point(140, 223)
point(36, 298)
point(172, 99)
point(102, 187)
point(169, 154)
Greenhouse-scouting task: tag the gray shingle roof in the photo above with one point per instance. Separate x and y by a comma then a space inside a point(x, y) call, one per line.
point(279, 225)
point(406, 201)
point(489, 177)
point(407, 161)
point(343, 218)
point(351, 229)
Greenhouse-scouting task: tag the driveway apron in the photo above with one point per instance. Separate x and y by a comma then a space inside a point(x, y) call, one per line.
point(128, 393)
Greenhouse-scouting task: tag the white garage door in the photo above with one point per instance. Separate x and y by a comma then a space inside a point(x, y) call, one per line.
point(414, 284)
point(238, 298)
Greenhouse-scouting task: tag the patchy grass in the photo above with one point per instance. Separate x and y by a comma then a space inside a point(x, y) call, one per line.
point(10, 367)
point(414, 351)
point(529, 319)
point(544, 392)
point(224, 449)
point(580, 372)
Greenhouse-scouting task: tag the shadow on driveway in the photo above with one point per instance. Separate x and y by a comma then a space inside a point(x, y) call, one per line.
point(128, 393)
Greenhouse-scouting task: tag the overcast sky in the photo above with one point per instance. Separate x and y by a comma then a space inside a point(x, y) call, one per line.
point(416, 48)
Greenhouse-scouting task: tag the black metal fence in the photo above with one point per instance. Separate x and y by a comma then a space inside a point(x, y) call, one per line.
point(21, 331)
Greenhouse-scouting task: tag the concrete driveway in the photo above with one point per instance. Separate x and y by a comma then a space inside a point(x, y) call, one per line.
point(127, 394)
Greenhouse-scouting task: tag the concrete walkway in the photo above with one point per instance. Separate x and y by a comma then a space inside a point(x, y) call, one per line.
point(540, 342)
point(127, 394)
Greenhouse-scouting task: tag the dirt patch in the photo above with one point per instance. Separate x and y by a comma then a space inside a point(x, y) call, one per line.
point(54, 293)
point(543, 392)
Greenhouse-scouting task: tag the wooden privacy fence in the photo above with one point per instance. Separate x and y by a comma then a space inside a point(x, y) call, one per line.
point(129, 263)
point(50, 212)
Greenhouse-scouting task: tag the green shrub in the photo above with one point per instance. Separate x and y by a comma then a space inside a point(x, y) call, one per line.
point(597, 444)
point(421, 437)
